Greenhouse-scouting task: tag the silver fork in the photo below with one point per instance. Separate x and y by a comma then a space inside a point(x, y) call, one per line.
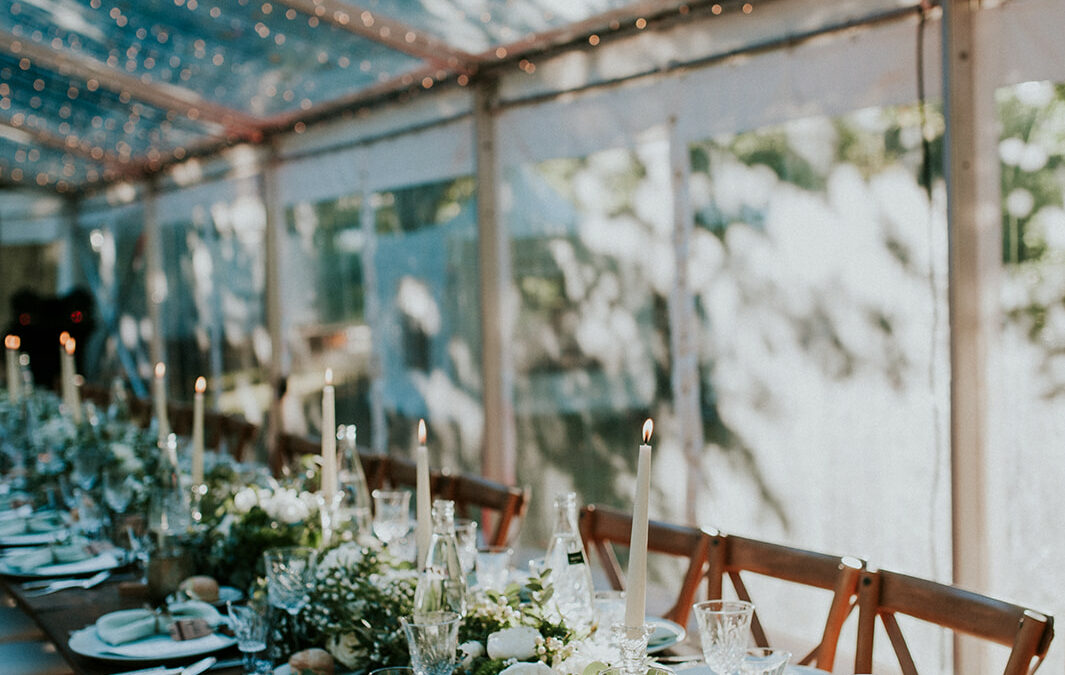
point(94, 580)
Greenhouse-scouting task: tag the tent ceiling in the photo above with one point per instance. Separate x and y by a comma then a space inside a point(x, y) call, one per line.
point(98, 90)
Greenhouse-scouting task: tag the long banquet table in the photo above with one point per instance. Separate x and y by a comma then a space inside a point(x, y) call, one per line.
point(62, 613)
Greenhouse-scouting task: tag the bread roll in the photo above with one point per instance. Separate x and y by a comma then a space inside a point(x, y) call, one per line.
point(200, 588)
point(317, 661)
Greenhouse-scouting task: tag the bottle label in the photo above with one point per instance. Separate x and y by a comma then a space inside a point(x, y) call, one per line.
point(575, 558)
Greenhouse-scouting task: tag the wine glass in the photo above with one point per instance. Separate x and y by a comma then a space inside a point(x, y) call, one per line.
point(85, 468)
point(466, 536)
point(289, 571)
point(250, 627)
point(765, 661)
point(723, 629)
point(433, 639)
point(118, 492)
point(391, 520)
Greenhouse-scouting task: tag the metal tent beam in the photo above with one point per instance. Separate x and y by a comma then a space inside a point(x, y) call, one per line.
point(70, 144)
point(163, 95)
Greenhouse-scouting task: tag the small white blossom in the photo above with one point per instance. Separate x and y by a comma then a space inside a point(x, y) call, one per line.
point(245, 499)
point(518, 642)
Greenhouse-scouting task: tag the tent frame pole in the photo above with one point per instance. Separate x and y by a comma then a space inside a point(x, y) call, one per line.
point(974, 226)
point(499, 458)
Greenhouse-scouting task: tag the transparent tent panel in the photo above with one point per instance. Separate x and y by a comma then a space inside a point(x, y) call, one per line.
point(388, 300)
point(109, 251)
point(251, 56)
point(819, 270)
point(476, 26)
point(1027, 393)
point(591, 272)
point(63, 106)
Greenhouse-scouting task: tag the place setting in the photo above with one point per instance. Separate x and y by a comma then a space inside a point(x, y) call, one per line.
point(29, 528)
point(69, 559)
point(177, 631)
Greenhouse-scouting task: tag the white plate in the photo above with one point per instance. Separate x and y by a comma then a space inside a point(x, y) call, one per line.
point(87, 643)
point(104, 561)
point(34, 538)
point(667, 633)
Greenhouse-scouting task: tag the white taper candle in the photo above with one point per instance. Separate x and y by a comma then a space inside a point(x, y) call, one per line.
point(423, 527)
point(197, 431)
point(329, 439)
point(636, 583)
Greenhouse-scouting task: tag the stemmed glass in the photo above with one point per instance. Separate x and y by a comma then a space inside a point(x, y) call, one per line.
point(118, 492)
point(250, 627)
point(118, 495)
point(433, 639)
point(289, 571)
point(391, 519)
point(86, 468)
point(723, 630)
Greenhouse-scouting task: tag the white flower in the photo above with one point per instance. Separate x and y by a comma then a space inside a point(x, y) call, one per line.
point(345, 555)
point(518, 643)
point(470, 651)
point(245, 499)
point(345, 648)
point(310, 501)
point(523, 668)
point(56, 431)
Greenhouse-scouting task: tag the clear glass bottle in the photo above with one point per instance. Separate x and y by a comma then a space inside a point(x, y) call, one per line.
point(170, 509)
point(442, 583)
point(569, 574)
point(357, 499)
point(118, 408)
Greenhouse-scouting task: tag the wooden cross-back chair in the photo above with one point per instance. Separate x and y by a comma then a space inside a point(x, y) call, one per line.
point(603, 528)
point(291, 446)
point(884, 594)
point(502, 506)
point(403, 472)
point(236, 435)
point(733, 556)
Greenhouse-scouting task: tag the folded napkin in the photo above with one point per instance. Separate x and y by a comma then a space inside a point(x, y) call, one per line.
point(129, 625)
point(19, 513)
point(103, 561)
point(29, 559)
point(34, 558)
point(162, 647)
point(44, 522)
point(10, 528)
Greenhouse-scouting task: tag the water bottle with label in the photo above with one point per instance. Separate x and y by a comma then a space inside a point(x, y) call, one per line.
point(442, 583)
point(570, 574)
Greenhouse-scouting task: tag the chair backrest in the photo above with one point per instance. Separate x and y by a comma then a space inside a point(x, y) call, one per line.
point(403, 472)
point(733, 557)
point(291, 446)
point(238, 436)
point(884, 594)
point(604, 528)
point(502, 506)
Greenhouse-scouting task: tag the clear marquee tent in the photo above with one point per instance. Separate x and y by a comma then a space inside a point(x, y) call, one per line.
point(821, 243)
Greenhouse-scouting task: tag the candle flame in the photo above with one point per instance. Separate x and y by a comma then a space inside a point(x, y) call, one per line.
point(421, 432)
point(12, 342)
point(328, 377)
point(63, 337)
point(160, 370)
point(648, 427)
point(69, 345)
point(201, 384)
